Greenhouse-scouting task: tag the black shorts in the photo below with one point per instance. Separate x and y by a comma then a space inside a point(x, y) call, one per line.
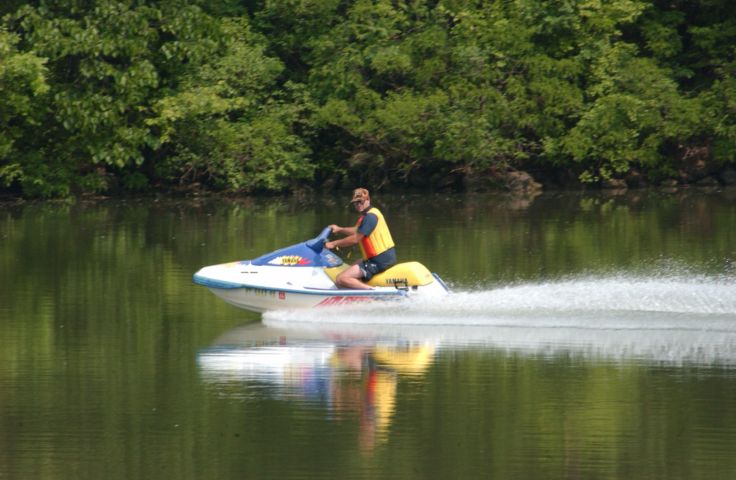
point(377, 264)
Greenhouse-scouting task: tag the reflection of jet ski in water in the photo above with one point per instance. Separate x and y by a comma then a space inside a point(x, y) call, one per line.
point(302, 358)
point(303, 275)
point(271, 354)
point(347, 375)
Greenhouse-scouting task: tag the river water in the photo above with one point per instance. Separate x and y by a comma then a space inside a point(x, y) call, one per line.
point(587, 336)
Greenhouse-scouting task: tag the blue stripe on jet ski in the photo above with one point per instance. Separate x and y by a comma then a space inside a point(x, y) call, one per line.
point(441, 282)
point(210, 282)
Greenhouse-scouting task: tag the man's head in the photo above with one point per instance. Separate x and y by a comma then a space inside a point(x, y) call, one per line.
point(361, 199)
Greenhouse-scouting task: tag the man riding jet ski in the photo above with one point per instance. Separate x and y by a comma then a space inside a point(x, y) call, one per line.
point(308, 274)
point(372, 234)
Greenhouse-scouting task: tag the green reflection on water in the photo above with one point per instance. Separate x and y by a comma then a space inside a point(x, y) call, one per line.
point(101, 328)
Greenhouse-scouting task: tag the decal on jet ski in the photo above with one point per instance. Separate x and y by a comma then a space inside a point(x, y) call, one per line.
point(290, 260)
point(261, 292)
point(339, 300)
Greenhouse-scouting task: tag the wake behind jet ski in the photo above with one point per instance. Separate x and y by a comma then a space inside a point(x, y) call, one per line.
point(303, 276)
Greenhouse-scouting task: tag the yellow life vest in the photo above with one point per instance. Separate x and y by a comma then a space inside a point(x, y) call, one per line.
point(380, 238)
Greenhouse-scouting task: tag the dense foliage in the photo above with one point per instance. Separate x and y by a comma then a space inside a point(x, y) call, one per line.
point(271, 95)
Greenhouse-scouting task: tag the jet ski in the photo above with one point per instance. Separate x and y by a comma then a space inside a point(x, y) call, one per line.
point(303, 276)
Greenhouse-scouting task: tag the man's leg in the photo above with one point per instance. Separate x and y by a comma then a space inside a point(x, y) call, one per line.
point(352, 278)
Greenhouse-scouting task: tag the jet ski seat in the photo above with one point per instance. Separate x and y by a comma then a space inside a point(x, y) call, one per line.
point(407, 274)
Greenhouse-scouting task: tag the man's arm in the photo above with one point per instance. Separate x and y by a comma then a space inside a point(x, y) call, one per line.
point(354, 234)
point(349, 241)
point(343, 230)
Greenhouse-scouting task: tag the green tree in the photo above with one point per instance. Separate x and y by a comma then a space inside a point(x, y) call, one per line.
point(108, 61)
point(227, 125)
point(267, 95)
point(634, 111)
point(22, 84)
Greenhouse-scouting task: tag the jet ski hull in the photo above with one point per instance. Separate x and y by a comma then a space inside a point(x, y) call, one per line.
point(261, 300)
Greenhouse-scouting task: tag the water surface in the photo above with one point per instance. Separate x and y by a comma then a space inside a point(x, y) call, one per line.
point(587, 336)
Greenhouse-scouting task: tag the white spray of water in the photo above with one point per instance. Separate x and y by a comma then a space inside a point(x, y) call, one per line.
point(610, 302)
point(668, 318)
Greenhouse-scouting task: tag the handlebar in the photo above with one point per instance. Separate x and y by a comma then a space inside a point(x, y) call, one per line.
point(318, 242)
